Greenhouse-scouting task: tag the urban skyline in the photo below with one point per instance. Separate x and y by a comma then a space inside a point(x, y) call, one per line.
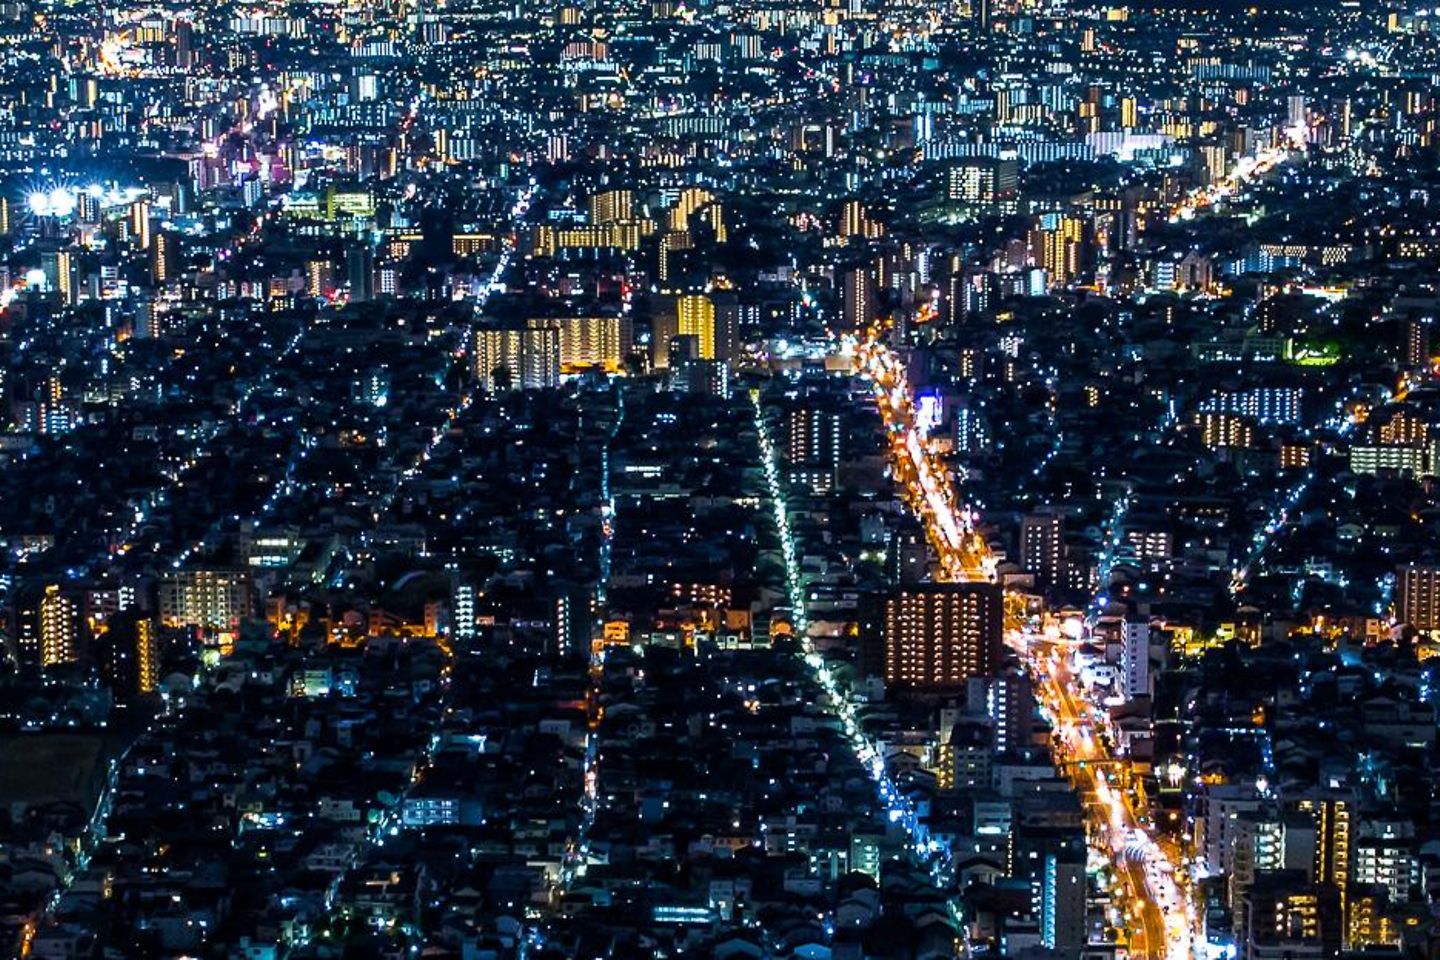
point(733, 479)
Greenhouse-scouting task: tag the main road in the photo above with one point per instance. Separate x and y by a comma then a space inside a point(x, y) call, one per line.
point(962, 551)
point(1157, 917)
point(1154, 909)
point(1246, 170)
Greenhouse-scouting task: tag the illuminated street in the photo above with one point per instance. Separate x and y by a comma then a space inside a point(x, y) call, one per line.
point(961, 550)
point(1156, 917)
point(1246, 170)
point(1153, 910)
point(898, 808)
point(742, 481)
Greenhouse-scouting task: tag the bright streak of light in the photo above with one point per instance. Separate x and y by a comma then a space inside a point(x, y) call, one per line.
point(963, 553)
point(1246, 169)
point(1163, 909)
point(900, 810)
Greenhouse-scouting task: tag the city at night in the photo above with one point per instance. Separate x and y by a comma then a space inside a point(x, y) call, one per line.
point(720, 480)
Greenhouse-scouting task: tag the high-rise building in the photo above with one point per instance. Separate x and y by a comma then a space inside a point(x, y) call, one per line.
point(1057, 246)
point(690, 200)
point(1062, 902)
point(967, 755)
point(360, 272)
point(1007, 700)
point(24, 629)
point(1416, 341)
point(670, 243)
point(1368, 459)
point(938, 636)
point(130, 663)
point(813, 436)
point(147, 657)
point(184, 44)
point(1404, 428)
point(713, 217)
point(58, 266)
point(59, 628)
point(710, 378)
point(1296, 111)
point(980, 15)
point(682, 349)
point(1042, 547)
point(525, 358)
point(621, 235)
point(728, 315)
point(1419, 593)
point(589, 342)
point(1225, 430)
point(140, 214)
point(859, 296)
point(1369, 922)
point(1218, 812)
point(1135, 660)
point(319, 278)
point(1388, 859)
point(855, 221)
point(1257, 846)
point(907, 556)
point(664, 327)
point(1334, 838)
point(1265, 404)
point(611, 206)
point(1050, 861)
point(695, 317)
point(462, 612)
point(1129, 113)
point(1288, 916)
point(692, 316)
point(164, 257)
point(989, 182)
point(812, 446)
point(206, 599)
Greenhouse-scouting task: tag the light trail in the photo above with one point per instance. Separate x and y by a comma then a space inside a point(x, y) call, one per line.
point(1247, 169)
point(1158, 914)
point(1160, 920)
point(962, 551)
